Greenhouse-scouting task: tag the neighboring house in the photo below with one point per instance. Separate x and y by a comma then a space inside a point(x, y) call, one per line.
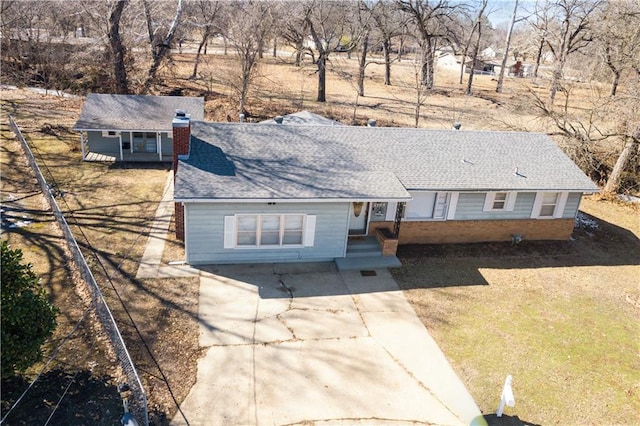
point(447, 60)
point(247, 193)
point(131, 127)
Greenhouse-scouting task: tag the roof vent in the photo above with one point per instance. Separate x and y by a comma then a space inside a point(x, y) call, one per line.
point(278, 119)
point(242, 118)
point(371, 123)
point(457, 125)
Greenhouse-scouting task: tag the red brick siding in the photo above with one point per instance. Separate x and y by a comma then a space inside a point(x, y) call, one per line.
point(179, 219)
point(472, 231)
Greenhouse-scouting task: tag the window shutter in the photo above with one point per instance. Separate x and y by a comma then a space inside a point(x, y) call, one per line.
point(511, 201)
point(535, 211)
point(488, 201)
point(309, 230)
point(562, 202)
point(229, 232)
point(453, 203)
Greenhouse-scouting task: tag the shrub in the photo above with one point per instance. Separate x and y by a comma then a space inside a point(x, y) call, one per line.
point(28, 318)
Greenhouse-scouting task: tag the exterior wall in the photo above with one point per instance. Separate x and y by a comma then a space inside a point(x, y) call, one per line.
point(470, 207)
point(204, 227)
point(167, 144)
point(476, 231)
point(102, 145)
point(572, 206)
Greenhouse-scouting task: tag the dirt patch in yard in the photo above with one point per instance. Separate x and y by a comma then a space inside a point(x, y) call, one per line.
point(561, 317)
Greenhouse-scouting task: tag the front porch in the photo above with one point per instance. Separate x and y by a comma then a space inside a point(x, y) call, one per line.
point(366, 253)
point(131, 157)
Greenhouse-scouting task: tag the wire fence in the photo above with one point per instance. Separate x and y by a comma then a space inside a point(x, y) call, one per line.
point(138, 403)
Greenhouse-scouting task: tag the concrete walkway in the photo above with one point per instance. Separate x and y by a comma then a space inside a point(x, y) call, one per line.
point(152, 257)
point(305, 344)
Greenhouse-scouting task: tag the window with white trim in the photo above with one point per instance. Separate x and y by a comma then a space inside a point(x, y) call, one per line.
point(499, 201)
point(548, 204)
point(270, 230)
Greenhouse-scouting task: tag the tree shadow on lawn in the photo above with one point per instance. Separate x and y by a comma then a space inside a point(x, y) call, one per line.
point(89, 399)
point(450, 265)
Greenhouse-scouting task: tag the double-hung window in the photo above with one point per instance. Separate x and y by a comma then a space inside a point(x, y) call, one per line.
point(271, 230)
point(499, 201)
point(549, 205)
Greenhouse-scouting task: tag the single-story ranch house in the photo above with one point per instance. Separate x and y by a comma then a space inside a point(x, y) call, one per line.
point(131, 127)
point(294, 193)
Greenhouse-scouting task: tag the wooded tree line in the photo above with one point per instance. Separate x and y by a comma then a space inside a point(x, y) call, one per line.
point(119, 46)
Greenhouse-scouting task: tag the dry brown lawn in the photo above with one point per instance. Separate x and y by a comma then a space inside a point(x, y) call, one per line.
point(561, 317)
point(111, 207)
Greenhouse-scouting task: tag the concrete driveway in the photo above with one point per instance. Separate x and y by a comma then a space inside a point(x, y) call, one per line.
point(304, 344)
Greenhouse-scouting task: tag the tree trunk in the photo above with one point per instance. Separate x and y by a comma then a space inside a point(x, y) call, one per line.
point(613, 183)
point(322, 69)
point(538, 58)
point(162, 49)
point(428, 64)
point(386, 50)
point(559, 65)
point(202, 44)
point(275, 46)
point(117, 48)
point(463, 62)
point(363, 64)
point(299, 50)
point(614, 85)
point(506, 48)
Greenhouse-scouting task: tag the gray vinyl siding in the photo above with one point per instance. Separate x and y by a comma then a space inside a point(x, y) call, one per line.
point(98, 143)
point(103, 145)
point(167, 144)
point(205, 233)
point(470, 207)
point(573, 203)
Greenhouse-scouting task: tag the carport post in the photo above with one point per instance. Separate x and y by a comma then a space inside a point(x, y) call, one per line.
point(82, 144)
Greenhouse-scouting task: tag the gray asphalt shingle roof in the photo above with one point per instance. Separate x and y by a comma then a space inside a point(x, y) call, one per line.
point(135, 112)
point(255, 161)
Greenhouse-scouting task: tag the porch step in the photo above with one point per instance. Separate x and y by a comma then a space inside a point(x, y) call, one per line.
point(364, 247)
point(368, 262)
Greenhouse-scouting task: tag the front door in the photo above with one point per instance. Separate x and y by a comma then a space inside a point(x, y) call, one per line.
point(358, 218)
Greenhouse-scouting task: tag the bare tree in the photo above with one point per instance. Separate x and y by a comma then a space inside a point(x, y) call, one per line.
point(575, 33)
point(160, 44)
point(244, 33)
point(117, 47)
point(430, 19)
point(389, 24)
point(617, 36)
point(507, 45)
point(326, 23)
point(293, 28)
point(478, 29)
point(203, 15)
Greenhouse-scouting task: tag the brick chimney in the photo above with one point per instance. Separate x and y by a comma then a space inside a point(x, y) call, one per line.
point(181, 137)
point(181, 147)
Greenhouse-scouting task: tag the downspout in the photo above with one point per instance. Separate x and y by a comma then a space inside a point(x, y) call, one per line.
point(131, 142)
point(159, 145)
